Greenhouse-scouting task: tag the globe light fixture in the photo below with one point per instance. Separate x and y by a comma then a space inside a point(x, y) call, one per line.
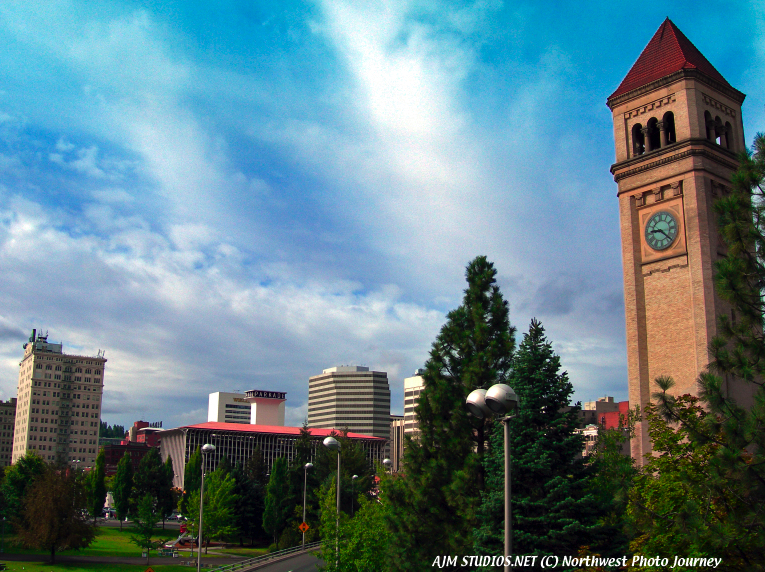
point(499, 399)
point(206, 450)
point(334, 445)
point(305, 482)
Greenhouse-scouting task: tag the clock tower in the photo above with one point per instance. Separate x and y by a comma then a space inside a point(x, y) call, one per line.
point(677, 129)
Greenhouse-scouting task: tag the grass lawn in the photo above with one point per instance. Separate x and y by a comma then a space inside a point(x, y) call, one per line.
point(108, 542)
point(96, 567)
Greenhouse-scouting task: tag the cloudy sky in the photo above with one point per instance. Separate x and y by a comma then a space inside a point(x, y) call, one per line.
point(236, 195)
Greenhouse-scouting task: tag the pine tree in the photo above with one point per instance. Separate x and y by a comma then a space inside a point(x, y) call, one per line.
point(192, 480)
point(433, 508)
point(553, 511)
point(149, 477)
point(98, 486)
point(165, 496)
point(122, 487)
point(733, 388)
point(277, 503)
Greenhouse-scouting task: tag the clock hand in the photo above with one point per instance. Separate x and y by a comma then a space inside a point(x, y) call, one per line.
point(654, 231)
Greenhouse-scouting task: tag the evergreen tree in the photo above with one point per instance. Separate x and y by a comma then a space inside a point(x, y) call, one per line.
point(733, 388)
point(554, 511)
point(98, 486)
point(433, 508)
point(122, 487)
point(165, 496)
point(352, 462)
point(111, 431)
point(250, 486)
point(277, 507)
point(192, 479)
point(224, 466)
point(149, 477)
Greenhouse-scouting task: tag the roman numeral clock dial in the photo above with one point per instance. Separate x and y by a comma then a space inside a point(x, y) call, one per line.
point(661, 230)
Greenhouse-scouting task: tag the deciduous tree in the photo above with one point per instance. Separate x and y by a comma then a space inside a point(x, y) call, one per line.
point(219, 519)
point(733, 389)
point(143, 524)
point(53, 516)
point(18, 478)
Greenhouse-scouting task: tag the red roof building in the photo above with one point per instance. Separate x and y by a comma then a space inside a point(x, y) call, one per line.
point(238, 443)
point(668, 52)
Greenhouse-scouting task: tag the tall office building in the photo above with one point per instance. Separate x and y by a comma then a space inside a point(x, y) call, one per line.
point(228, 408)
point(58, 410)
point(7, 424)
point(396, 449)
point(350, 397)
point(412, 388)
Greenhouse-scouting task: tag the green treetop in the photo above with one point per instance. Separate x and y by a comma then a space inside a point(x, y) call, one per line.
point(122, 487)
point(553, 510)
point(433, 508)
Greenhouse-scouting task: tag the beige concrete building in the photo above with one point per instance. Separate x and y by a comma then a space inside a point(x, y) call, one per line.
point(58, 409)
point(396, 450)
point(7, 425)
point(677, 129)
point(350, 397)
point(223, 407)
point(412, 388)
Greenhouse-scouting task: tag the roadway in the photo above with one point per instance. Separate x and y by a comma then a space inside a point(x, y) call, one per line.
point(302, 563)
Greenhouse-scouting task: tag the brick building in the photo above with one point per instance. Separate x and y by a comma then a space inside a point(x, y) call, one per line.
point(677, 129)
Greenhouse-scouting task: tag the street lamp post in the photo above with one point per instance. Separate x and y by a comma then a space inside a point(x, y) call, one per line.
point(500, 399)
point(334, 445)
point(353, 492)
point(388, 464)
point(206, 450)
point(305, 483)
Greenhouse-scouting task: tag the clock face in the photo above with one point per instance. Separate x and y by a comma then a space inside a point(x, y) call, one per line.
point(661, 230)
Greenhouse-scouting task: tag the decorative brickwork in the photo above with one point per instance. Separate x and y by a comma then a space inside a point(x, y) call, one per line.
point(671, 306)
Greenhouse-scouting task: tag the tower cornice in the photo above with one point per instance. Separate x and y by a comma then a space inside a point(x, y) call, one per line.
point(694, 147)
point(675, 77)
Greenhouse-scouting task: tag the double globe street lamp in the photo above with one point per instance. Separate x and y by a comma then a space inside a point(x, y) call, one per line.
point(499, 399)
point(206, 450)
point(305, 483)
point(334, 445)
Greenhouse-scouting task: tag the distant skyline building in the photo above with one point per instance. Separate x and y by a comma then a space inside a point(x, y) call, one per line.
point(238, 443)
point(413, 386)
point(7, 426)
point(254, 407)
point(396, 453)
point(350, 397)
point(58, 410)
point(226, 407)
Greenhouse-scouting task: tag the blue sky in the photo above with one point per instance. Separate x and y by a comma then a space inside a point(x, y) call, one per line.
point(237, 195)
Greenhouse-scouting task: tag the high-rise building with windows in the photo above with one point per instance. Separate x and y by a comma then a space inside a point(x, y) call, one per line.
point(58, 409)
point(350, 397)
point(412, 388)
point(7, 425)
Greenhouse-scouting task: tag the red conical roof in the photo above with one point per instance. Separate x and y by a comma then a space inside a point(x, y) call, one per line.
point(668, 51)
